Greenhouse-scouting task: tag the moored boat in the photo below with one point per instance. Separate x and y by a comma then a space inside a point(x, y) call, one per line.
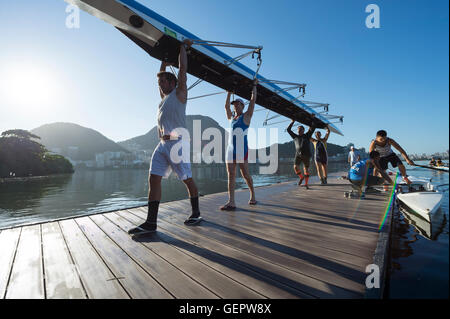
point(421, 197)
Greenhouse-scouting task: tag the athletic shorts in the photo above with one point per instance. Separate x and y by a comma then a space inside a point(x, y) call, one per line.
point(302, 159)
point(371, 181)
point(162, 163)
point(391, 158)
point(236, 156)
point(323, 159)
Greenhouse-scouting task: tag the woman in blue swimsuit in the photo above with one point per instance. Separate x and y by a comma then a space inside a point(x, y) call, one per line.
point(237, 151)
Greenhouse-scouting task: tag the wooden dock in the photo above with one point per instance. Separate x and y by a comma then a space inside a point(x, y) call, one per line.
point(295, 243)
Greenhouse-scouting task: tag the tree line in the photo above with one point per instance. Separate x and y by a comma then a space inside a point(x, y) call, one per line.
point(22, 156)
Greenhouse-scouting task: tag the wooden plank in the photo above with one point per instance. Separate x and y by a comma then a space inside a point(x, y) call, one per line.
point(134, 279)
point(61, 277)
point(333, 236)
point(175, 281)
point(299, 281)
point(241, 227)
point(314, 266)
point(313, 201)
point(27, 281)
point(329, 209)
point(8, 244)
point(250, 243)
point(229, 280)
point(316, 207)
point(332, 205)
point(219, 284)
point(99, 282)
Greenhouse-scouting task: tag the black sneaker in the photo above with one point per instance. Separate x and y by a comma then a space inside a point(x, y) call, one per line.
point(145, 228)
point(191, 221)
point(325, 180)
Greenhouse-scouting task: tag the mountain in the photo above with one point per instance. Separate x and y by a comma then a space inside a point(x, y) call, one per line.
point(75, 141)
point(149, 140)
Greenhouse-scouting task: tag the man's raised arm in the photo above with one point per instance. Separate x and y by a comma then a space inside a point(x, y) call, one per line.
point(289, 129)
point(182, 73)
point(312, 128)
point(164, 64)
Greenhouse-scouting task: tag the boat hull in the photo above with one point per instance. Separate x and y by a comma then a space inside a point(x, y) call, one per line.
point(422, 203)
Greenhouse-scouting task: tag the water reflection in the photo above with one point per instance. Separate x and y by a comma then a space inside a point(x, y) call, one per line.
point(430, 230)
point(23, 195)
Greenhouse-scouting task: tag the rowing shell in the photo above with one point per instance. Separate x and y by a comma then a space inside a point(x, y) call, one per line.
point(161, 39)
point(420, 197)
point(442, 168)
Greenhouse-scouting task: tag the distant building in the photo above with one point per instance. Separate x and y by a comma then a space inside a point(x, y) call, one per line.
point(100, 160)
point(72, 152)
point(56, 150)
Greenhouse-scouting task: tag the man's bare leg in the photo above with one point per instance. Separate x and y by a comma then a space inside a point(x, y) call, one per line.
point(154, 188)
point(191, 187)
point(298, 172)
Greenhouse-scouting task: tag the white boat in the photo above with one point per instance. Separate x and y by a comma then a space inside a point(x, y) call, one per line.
point(421, 197)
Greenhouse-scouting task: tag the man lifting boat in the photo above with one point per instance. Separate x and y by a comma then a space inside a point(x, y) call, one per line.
point(171, 120)
point(382, 144)
point(302, 151)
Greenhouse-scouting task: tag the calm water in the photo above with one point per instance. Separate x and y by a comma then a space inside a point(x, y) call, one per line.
point(420, 250)
point(87, 192)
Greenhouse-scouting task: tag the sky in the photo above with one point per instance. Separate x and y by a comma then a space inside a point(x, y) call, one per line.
point(394, 77)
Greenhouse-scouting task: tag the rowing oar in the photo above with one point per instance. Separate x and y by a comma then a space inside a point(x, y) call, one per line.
point(430, 167)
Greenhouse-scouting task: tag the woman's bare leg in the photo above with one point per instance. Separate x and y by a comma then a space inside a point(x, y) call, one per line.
point(319, 170)
point(231, 170)
point(248, 179)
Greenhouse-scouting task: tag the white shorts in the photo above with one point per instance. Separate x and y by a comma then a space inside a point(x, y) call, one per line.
point(163, 163)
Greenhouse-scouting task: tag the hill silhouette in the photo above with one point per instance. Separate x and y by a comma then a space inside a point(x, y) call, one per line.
point(150, 140)
point(63, 136)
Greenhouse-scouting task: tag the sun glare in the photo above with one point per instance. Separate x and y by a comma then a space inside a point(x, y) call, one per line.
point(29, 88)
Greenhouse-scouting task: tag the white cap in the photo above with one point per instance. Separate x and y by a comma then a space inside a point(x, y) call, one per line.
point(238, 100)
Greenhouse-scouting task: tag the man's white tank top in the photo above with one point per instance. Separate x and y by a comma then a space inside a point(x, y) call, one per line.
point(171, 114)
point(384, 150)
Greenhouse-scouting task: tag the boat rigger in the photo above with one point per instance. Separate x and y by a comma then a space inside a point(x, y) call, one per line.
point(161, 38)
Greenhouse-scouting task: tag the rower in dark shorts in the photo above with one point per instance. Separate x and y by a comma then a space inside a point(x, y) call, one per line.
point(382, 144)
point(302, 151)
